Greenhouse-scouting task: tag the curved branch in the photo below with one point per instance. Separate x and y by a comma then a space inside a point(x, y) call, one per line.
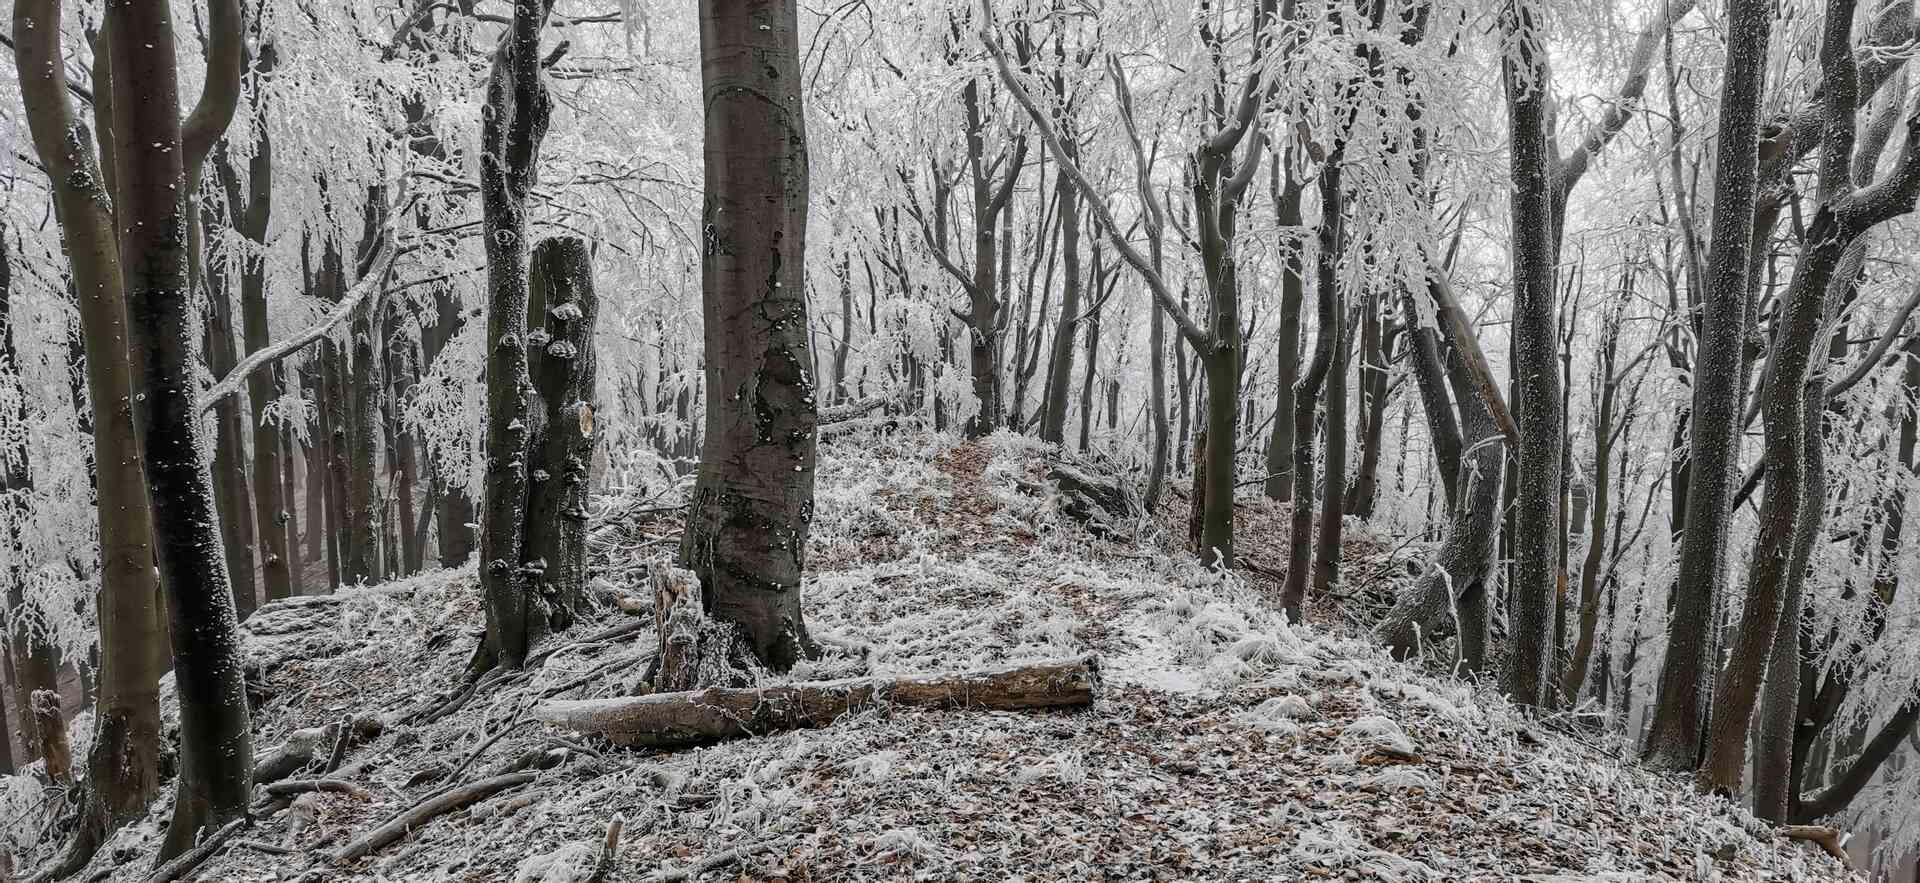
point(362, 291)
point(1155, 282)
point(1892, 332)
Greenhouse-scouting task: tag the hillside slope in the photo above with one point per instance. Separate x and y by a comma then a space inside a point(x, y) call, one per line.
point(1225, 745)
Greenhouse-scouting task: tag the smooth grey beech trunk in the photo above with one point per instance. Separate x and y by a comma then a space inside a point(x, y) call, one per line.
point(752, 505)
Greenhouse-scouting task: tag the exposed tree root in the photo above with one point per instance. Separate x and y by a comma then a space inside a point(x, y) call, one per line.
point(198, 855)
point(397, 828)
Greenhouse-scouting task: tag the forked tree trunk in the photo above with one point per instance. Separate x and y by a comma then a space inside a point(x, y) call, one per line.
point(1373, 408)
point(513, 125)
point(123, 763)
point(1053, 414)
point(1679, 718)
point(1306, 394)
point(747, 523)
point(562, 282)
point(216, 753)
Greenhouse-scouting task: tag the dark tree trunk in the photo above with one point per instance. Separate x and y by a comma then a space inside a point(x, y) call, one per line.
point(216, 748)
point(1536, 514)
point(338, 414)
point(1053, 414)
point(1373, 408)
point(747, 523)
point(513, 125)
point(1333, 487)
point(1679, 716)
point(1306, 393)
point(124, 762)
point(562, 281)
point(455, 510)
point(1429, 374)
point(1286, 200)
point(251, 212)
point(232, 500)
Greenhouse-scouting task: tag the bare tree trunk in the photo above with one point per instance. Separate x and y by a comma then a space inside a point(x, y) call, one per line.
point(1333, 487)
point(747, 523)
point(1286, 193)
point(1373, 408)
point(1306, 393)
point(1536, 513)
point(153, 155)
point(1601, 501)
point(232, 500)
point(1053, 414)
point(1714, 416)
point(251, 212)
point(512, 128)
point(123, 763)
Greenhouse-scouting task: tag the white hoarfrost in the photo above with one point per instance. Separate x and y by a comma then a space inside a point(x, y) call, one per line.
point(1224, 744)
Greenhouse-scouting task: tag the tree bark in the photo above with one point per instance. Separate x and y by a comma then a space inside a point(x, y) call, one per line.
point(752, 503)
point(152, 153)
point(1333, 487)
point(715, 714)
point(1286, 202)
point(35, 666)
point(513, 125)
point(124, 759)
point(556, 531)
point(1536, 511)
point(251, 213)
point(1053, 414)
point(1713, 447)
point(1306, 393)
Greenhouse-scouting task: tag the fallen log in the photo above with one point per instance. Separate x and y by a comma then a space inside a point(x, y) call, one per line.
point(297, 787)
point(699, 717)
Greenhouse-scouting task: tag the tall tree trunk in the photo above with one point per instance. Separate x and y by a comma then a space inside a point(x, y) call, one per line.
point(1679, 715)
point(1053, 414)
point(1306, 393)
point(1373, 408)
point(1536, 512)
point(1286, 201)
point(514, 124)
point(232, 500)
point(251, 212)
point(124, 762)
point(1333, 487)
point(153, 157)
point(1600, 501)
point(747, 523)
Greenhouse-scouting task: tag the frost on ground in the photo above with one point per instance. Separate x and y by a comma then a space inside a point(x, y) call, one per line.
point(1225, 745)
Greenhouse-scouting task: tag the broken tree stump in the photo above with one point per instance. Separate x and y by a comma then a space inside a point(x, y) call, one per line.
point(54, 746)
point(696, 651)
point(676, 720)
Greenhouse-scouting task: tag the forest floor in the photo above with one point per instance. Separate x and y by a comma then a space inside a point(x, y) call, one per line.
point(1224, 745)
